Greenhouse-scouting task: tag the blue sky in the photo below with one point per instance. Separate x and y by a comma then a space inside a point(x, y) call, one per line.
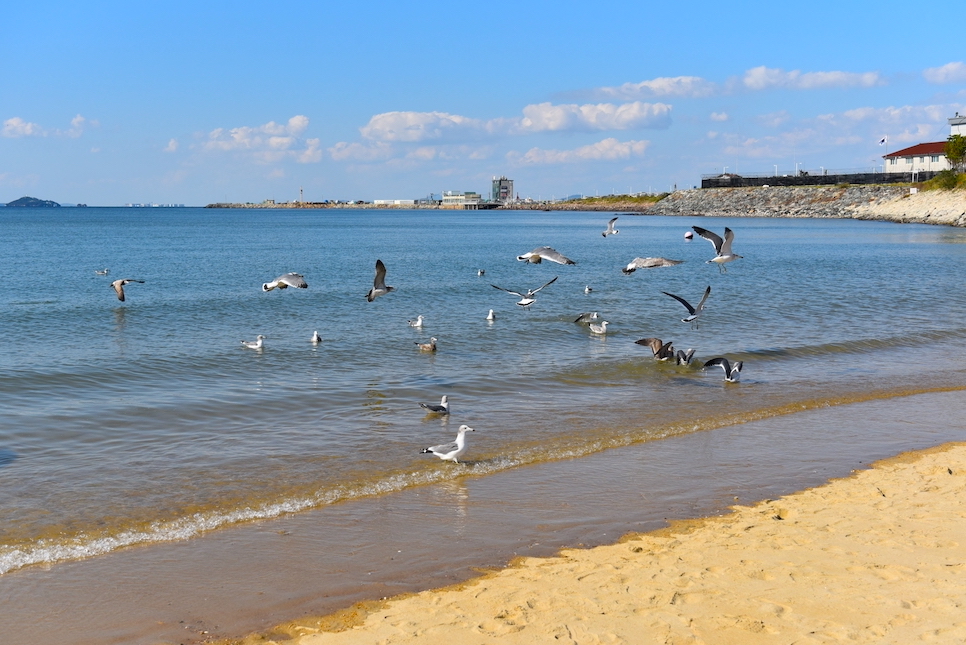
point(182, 102)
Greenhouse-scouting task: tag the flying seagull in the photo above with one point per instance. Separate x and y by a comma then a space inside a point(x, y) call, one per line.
point(416, 323)
point(118, 286)
point(694, 311)
point(610, 228)
point(732, 372)
point(662, 351)
point(451, 451)
point(428, 347)
point(379, 287)
point(316, 338)
point(541, 253)
point(722, 248)
point(648, 263)
point(599, 329)
point(526, 299)
point(254, 344)
point(586, 317)
point(285, 281)
point(442, 408)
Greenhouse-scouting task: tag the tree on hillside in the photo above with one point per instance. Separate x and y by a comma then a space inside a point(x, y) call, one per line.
point(955, 150)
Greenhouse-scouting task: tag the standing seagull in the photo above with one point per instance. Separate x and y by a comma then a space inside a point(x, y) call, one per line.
point(118, 286)
point(541, 253)
point(610, 228)
point(721, 247)
point(451, 451)
point(442, 408)
point(694, 311)
point(528, 299)
point(258, 343)
point(285, 281)
point(379, 287)
point(732, 372)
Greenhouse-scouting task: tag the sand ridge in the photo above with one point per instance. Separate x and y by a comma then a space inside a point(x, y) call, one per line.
point(879, 557)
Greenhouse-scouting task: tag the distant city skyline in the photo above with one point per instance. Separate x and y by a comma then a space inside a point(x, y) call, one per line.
point(107, 104)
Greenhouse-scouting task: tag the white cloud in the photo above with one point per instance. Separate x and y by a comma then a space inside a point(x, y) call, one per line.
point(774, 119)
point(344, 151)
point(16, 127)
point(607, 150)
point(948, 73)
point(719, 116)
point(419, 126)
point(77, 126)
point(685, 86)
point(172, 146)
point(762, 78)
point(545, 117)
point(268, 143)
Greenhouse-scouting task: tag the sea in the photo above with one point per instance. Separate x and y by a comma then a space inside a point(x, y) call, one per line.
point(139, 426)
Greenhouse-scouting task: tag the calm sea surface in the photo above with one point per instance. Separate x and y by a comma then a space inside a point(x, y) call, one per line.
point(147, 421)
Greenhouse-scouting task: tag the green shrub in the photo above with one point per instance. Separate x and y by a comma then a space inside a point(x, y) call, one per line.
point(946, 180)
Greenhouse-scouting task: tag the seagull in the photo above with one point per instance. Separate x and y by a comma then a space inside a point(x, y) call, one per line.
point(732, 372)
point(541, 253)
point(258, 343)
point(662, 351)
point(586, 317)
point(416, 323)
point(587, 289)
point(722, 248)
point(610, 228)
point(491, 316)
point(316, 338)
point(527, 299)
point(599, 329)
point(442, 408)
point(481, 272)
point(379, 287)
point(451, 451)
point(285, 281)
point(648, 263)
point(102, 271)
point(118, 286)
point(428, 347)
point(684, 357)
point(694, 311)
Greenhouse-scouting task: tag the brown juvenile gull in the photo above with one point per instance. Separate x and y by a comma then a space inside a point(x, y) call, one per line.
point(451, 451)
point(661, 351)
point(648, 263)
point(541, 253)
point(118, 286)
point(428, 347)
point(379, 287)
point(285, 281)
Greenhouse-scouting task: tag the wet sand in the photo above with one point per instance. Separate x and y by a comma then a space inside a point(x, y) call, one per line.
point(877, 557)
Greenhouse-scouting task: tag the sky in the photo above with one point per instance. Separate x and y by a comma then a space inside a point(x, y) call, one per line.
point(108, 103)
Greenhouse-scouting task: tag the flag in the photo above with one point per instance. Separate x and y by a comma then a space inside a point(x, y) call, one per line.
point(883, 141)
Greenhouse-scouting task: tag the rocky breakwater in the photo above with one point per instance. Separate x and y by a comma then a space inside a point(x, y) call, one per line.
point(886, 203)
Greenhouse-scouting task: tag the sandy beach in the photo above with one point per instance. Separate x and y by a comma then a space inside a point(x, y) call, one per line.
point(877, 557)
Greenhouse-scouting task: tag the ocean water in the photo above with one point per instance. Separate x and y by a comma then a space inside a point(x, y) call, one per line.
point(147, 421)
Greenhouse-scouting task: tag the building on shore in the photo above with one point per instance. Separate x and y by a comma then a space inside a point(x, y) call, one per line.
point(458, 200)
point(502, 192)
point(924, 157)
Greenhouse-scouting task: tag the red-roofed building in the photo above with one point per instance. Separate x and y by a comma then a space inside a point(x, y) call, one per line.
point(923, 157)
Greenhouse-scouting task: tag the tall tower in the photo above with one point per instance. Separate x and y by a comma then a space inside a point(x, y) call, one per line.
point(502, 190)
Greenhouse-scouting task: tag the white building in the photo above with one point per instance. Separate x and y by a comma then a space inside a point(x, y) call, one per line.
point(460, 200)
point(924, 157)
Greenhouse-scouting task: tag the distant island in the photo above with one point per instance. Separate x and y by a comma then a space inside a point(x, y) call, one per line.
point(32, 202)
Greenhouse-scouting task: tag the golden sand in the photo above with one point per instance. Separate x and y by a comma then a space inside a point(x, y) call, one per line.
point(878, 557)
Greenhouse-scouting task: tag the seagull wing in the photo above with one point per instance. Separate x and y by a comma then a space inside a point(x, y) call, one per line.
point(516, 293)
point(723, 362)
point(681, 300)
point(546, 285)
point(293, 280)
point(119, 289)
point(654, 343)
point(553, 255)
point(725, 249)
point(380, 280)
point(714, 238)
point(443, 448)
point(704, 298)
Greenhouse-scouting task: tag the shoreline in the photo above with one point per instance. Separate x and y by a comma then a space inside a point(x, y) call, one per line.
point(875, 555)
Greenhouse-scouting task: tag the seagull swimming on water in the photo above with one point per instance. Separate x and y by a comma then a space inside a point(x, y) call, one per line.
point(428, 347)
point(648, 263)
point(481, 272)
point(491, 316)
point(587, 289)
point(599, 329)
point(451, 451)
point(722, 248)
point(442, 408)
point(316, 338)
point(662, 351)
point(527, 299)
point(379, 287)
point(416, 323)
point(102, 271)
point(732, 372)
point(541, 253)
point(118, 286)
point(285, 281)
point(694, 311)
point(586, 317)
point(684, 357)
point(258, 343)
point(610, 228)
